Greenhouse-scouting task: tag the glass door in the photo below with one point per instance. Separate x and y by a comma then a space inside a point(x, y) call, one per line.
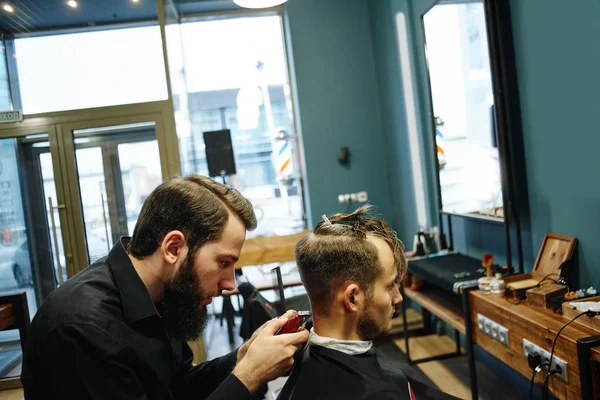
point(116, 166)
point(32, 255)
point(71, 184)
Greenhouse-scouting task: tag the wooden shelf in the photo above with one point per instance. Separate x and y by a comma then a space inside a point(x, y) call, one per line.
point(444, 305)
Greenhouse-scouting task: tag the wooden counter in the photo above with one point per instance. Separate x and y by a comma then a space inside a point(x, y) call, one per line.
point(539, 326)
point(269, 249)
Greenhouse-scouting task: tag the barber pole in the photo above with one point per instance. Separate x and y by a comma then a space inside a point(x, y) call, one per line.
point(440, 144)
point(283, 155)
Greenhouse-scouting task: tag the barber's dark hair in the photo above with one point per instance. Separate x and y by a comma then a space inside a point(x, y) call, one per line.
point(337, 251)
point(195, 205)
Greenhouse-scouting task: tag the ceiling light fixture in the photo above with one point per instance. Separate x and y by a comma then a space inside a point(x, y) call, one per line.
point(258, 3)
point(8, 8)
point(135, 1)
point(72, 3)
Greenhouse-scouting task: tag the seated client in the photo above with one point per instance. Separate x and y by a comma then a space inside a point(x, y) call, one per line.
point(351, 266)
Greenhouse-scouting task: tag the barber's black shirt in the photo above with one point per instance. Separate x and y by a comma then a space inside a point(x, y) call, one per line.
point(100, 336)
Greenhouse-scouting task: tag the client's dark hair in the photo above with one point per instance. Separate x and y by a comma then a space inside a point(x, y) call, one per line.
point(337, 251)
point(195, 205)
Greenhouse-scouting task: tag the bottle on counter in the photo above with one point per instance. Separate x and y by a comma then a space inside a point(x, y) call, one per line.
point(497, 284)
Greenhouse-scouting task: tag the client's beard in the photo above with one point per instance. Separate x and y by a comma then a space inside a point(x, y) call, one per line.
point(368, 328)
point(185, 318)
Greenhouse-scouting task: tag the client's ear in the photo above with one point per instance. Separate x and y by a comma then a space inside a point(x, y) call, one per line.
point(354, 297)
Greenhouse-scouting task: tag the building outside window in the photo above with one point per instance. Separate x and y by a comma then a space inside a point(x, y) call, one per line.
point(236, 78)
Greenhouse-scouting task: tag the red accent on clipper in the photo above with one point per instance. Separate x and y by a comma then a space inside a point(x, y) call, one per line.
point(294, 323)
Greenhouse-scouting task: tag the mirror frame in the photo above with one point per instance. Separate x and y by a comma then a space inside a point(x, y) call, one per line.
point(508, 126)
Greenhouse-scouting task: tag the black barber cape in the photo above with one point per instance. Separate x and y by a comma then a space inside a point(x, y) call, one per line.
point(99, 336)
point(323, 373)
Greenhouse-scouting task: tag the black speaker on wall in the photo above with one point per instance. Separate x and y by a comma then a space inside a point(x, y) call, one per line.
point(219, 153)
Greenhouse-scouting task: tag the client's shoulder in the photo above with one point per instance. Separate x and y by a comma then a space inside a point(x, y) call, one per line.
point(322, 372)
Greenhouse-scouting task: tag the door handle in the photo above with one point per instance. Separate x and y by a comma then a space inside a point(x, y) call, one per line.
point(55, 237)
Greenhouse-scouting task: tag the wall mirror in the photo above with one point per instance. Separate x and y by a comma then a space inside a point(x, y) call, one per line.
point(462, 101)
point(475, 115)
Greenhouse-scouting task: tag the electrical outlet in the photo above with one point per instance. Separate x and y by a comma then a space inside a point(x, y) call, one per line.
point(503, 335)
point(488, 327)
point(530, 347)
point(494, 333)
point(492, 329)
point(344, 198)
point(480, 322)
point(360, 197)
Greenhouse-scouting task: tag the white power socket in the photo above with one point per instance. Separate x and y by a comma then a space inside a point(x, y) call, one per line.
point(492, 329)
point(360, 197)
point(529, 347)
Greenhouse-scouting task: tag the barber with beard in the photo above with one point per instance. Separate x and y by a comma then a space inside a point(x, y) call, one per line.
point(118, 329)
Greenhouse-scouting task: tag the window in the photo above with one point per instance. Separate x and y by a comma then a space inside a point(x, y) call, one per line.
point(91, 69)
point(4, 86)
point(236, 78)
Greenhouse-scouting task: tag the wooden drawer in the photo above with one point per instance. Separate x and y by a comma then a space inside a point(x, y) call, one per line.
point(539, 326)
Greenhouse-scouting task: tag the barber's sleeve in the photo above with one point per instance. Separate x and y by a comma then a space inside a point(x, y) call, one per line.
point(213, 379)
point(81, 362)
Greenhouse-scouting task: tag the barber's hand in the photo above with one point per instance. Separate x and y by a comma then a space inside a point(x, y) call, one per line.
point(244, 347)
point(268, 356)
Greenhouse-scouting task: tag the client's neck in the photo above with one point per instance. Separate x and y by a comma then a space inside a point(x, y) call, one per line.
point(338, 327)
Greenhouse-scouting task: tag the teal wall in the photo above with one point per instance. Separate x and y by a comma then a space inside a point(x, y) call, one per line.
point(417, 8)
point(558, 64)
point(393, 113)
point(338, 102)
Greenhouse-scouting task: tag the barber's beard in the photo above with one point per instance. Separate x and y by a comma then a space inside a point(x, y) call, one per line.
point(368, 327)
point(185, 317)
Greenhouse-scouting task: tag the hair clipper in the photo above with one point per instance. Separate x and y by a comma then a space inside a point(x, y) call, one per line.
point(294, 323)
